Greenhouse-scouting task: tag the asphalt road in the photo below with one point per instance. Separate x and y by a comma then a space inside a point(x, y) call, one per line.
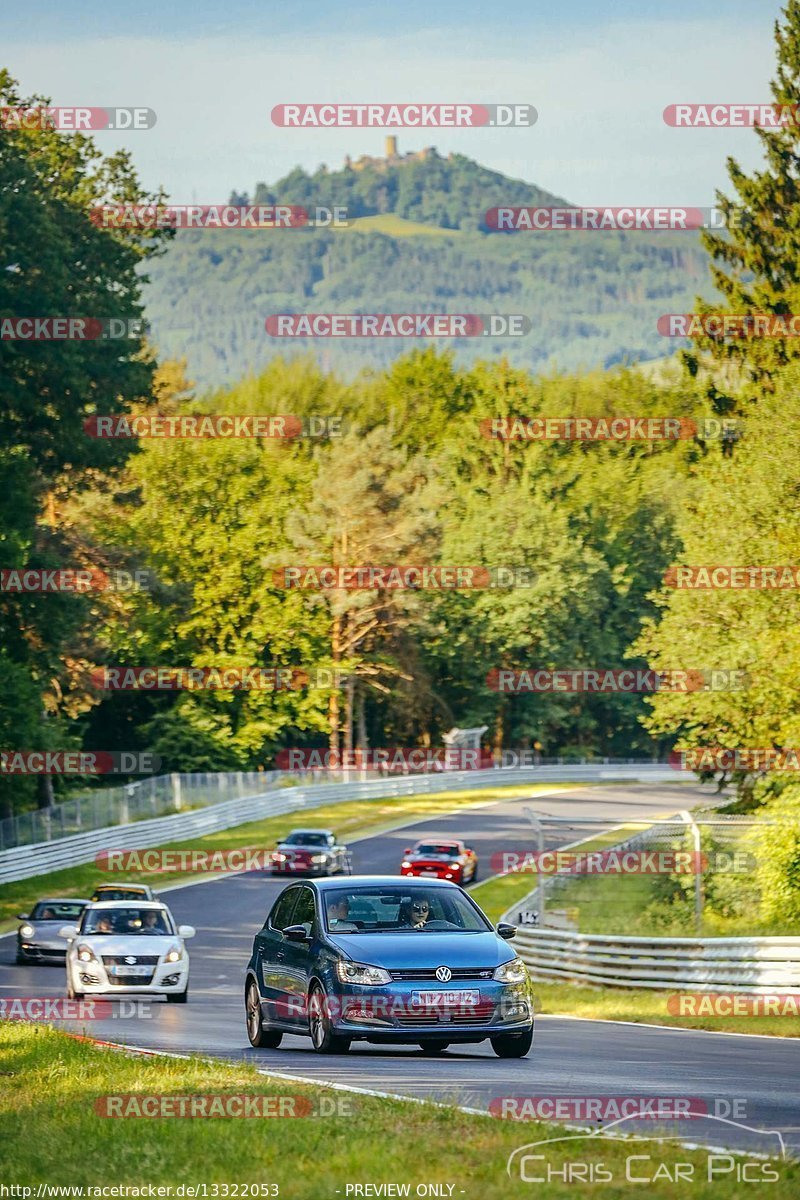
point(747, 1080)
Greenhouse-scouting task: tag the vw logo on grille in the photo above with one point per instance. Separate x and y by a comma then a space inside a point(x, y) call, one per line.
point(130, 960)
point(444, 974)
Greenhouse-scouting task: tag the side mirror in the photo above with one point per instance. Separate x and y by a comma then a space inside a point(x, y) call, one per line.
point(506, 932)
point(68, 932)
point(186, 931)
point(297, 933)
point(22, 916)
point(407, 850)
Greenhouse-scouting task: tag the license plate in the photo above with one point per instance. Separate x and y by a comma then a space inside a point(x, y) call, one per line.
point(430, 872)
point(467, 999)
point(132, 970)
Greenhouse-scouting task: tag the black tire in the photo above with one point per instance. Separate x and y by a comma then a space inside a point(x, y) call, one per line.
point(513, 1045)
point(474, 878)
point(261, 1038)
point(73, 995)
point(323, 1039)
point(177, 997)
point(20, 959)
point(434, 1046)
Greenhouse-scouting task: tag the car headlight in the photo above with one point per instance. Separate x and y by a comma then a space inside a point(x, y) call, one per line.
point(174, 954)
point(353, 972)
point(319, 858)
point(277, 857)
point(86, 954)
point(27, 931)
point(405, 863)
point(513, 971)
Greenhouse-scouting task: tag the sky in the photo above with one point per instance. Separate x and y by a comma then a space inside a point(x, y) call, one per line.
point(598, 74)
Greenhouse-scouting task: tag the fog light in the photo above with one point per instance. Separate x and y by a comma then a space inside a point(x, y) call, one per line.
point(171, 980)
point(89, 978)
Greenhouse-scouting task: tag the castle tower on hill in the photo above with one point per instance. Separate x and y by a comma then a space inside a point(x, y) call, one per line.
point(393, 156)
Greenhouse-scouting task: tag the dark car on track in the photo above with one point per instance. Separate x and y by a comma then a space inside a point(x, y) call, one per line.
point(310, 852)
point(374, 958)
point(39, 937)
point(441, 858)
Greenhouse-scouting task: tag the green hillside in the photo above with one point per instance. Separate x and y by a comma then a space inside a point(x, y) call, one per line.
point(593, 298)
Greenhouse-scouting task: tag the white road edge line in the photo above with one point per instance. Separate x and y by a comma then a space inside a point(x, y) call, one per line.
point(770, 1037)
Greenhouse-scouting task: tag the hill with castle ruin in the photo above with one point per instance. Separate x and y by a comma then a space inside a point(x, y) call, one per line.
point(418, 243)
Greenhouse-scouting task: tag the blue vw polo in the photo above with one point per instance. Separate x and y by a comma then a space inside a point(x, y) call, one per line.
point(375, 958)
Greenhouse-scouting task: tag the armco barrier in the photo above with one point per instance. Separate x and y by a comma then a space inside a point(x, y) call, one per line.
point(756, 965)
point(24, 862)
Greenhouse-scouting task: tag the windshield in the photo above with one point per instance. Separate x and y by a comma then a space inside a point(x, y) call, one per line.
point(306, 839)
point(398, 910)
point(448, 850)
point(145, 921)
point(58, 910)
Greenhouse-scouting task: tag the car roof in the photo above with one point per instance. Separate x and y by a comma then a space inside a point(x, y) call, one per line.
point(434, 841)
point(131, 887)
point(62, 900)
point(308, 829)
point(355, 881)
point(111, 904)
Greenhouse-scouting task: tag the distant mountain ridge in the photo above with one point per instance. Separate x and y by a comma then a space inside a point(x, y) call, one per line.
point(417, 244)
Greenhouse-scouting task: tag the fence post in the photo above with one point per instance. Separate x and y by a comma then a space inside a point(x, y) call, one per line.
point(176, 791)
point(540, 881)
point(698, 870)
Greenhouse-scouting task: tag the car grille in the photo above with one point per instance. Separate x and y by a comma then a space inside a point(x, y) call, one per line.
point(477, 1014)
point(458, 973)
point(47, 953)
point(130, 980)
point(121, 960)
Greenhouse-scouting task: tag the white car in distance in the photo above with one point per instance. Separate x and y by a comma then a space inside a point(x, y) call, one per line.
point(126, 946)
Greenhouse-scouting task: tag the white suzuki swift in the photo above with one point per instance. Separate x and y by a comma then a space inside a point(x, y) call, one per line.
point(125, 946)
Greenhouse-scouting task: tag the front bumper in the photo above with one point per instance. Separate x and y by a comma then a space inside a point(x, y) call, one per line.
point(307, 869)
point(453, 874)
point(41, 949)
point(94, 979)
point(390, 1014)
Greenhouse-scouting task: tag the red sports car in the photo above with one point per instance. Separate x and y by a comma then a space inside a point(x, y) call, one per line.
point(441, 860)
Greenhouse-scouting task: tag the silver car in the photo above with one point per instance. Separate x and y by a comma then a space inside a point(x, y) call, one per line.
point(39, 936)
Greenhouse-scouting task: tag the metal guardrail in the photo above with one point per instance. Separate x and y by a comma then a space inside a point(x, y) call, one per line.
point(755, 965)
point(24, 862)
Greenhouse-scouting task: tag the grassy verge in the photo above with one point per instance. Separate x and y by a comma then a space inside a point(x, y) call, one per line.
point(349, 818)
point(51, 1133)
point(643, 1006)
point(498, 893)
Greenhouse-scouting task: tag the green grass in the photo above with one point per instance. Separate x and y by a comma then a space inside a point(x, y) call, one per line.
point(399, 227)
point(651, 1007)
point(51, 1133)
point(348, 818)
point(498, 893)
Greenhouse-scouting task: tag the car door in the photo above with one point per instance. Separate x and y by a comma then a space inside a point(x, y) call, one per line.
point(270, 945)
point(298, 956)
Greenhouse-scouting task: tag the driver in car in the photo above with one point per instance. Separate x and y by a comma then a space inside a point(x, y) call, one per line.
point(419, 913)
point(152, 923)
